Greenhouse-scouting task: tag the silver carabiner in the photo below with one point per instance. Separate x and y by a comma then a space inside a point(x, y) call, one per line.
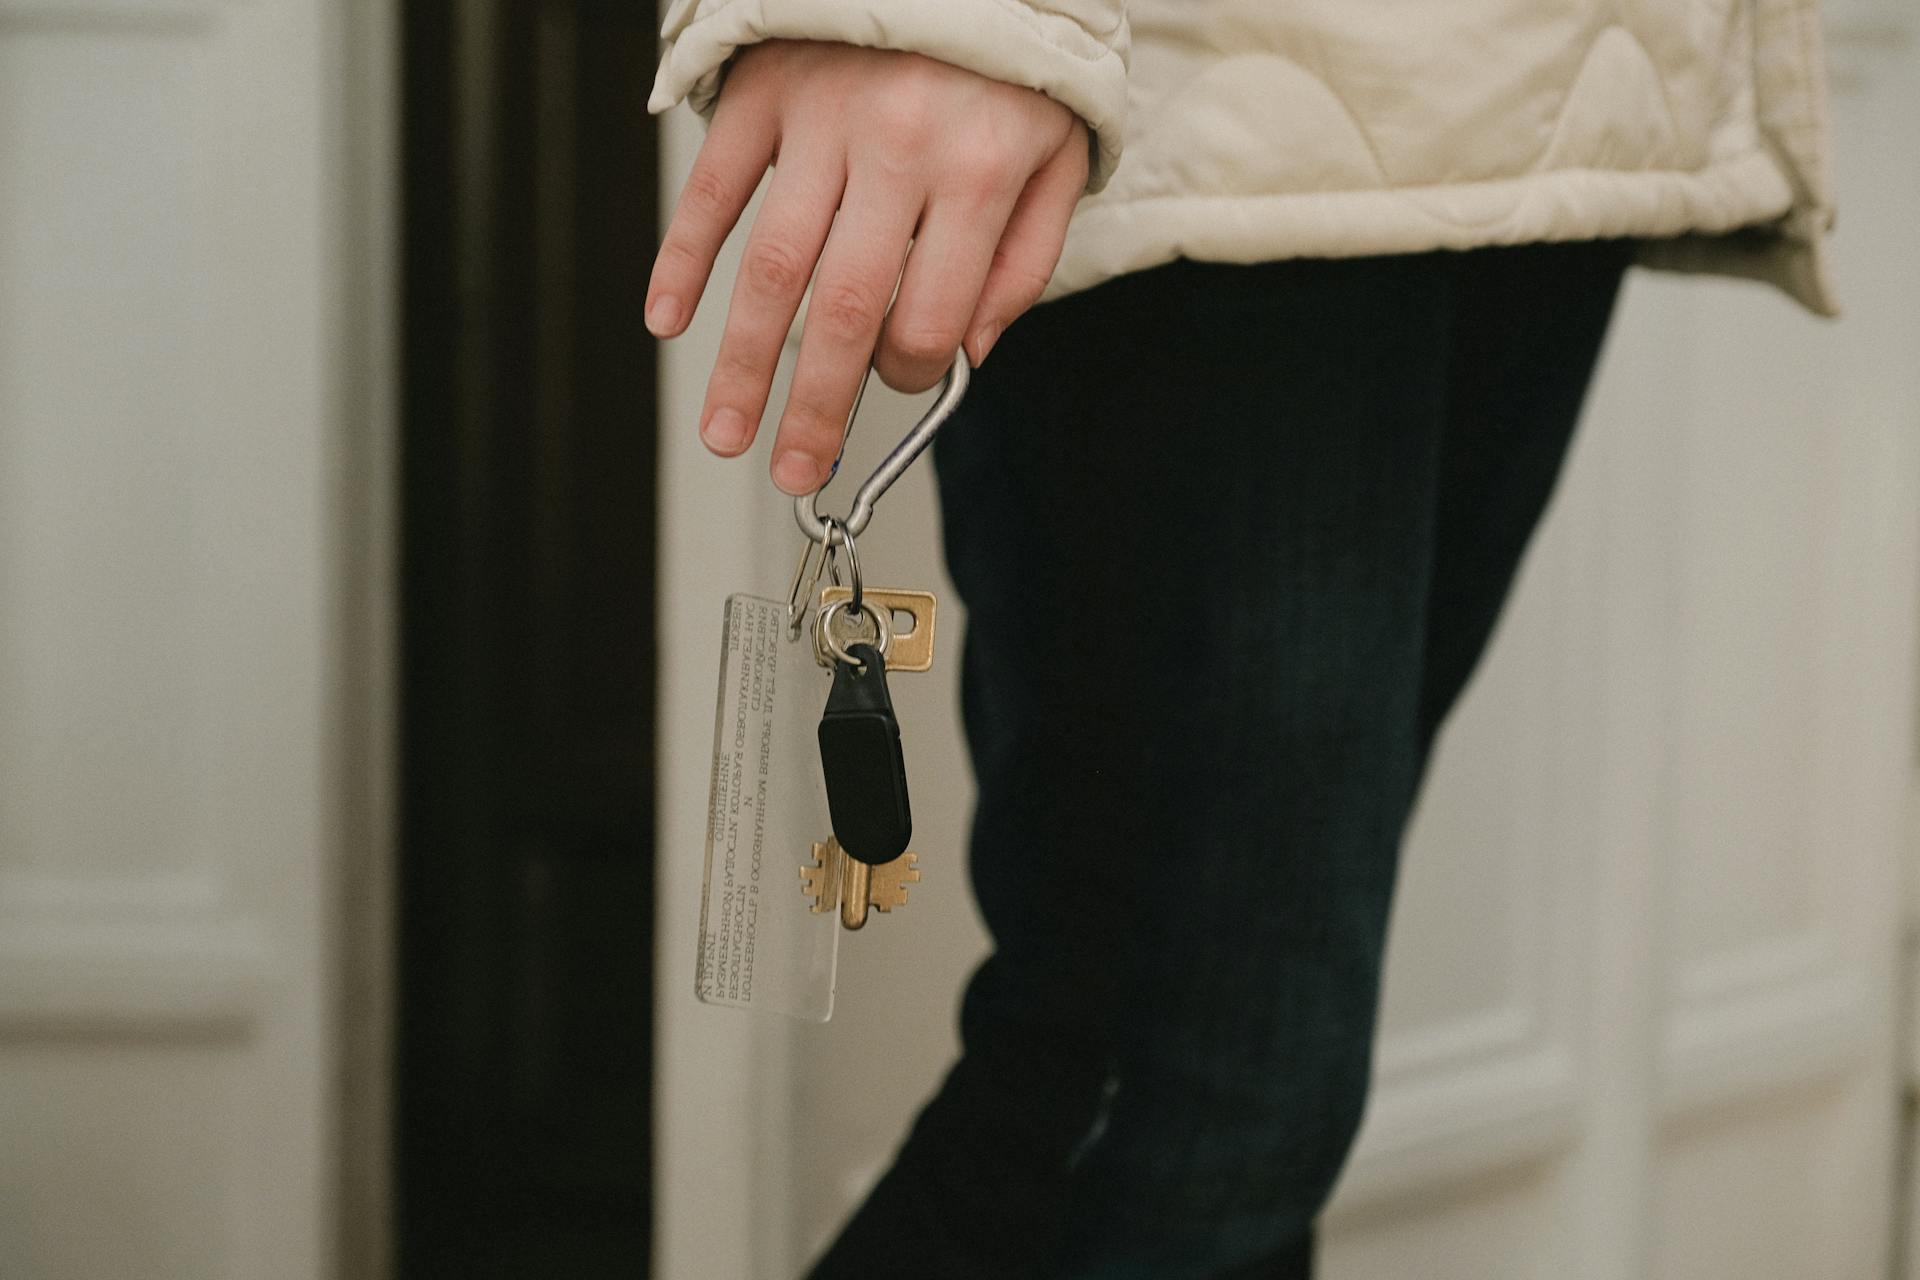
point(806, 509)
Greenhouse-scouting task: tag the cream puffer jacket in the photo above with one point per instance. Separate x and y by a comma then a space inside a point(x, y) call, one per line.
point(1250, 130)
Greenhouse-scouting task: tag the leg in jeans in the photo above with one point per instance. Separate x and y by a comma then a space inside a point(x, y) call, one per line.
point(1231, 539)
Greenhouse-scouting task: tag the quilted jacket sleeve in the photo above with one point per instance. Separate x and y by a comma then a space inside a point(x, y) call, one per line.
point(1075, 51)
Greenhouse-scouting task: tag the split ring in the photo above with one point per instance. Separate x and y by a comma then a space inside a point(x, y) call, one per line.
point(882, 630)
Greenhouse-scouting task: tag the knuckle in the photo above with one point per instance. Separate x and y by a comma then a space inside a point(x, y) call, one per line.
point(706, 193)
point(774, 269)
point(905, 122)
point(847, 310)
point(808, 425)
point(734, 369)
point(978, 166)
point(679, 253)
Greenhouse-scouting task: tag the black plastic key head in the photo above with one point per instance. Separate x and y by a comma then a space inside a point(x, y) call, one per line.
point(865, 769)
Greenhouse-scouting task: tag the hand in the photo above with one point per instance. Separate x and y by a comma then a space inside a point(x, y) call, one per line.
point(872, 148)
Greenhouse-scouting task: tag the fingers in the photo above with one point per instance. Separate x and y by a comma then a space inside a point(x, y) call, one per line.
point(940, 289)
point(732, 160)
point(855, 283)
point(775, 265)
point(1030, 247)
point(990, 232)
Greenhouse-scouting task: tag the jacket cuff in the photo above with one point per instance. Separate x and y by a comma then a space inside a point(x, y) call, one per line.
point(1014, 41)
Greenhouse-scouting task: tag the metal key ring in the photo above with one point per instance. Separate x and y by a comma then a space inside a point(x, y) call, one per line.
point(835, 525)
point(806, 509)
point(882, 631)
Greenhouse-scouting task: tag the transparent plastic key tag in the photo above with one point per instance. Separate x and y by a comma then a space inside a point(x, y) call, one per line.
point(762, 946)
point(769, 938)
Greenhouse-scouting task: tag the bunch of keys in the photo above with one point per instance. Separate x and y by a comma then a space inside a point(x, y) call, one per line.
point(864, 864)
point(808, 770)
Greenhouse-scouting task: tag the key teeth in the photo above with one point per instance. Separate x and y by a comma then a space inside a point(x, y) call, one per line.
point(888, 888)
point(821, 882)
point(818, 883)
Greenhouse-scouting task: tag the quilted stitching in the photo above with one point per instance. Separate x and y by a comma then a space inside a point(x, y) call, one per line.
point(1335, 127)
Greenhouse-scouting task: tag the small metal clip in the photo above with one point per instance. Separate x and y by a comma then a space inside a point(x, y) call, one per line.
point(800, 594)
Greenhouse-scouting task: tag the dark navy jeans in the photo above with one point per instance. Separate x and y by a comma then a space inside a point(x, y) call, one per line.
point(1232, 539)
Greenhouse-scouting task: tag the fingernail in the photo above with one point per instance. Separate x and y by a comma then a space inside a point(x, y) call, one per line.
point(726, 431)
point(794, 472)
point(984, 340)
point(663, 316)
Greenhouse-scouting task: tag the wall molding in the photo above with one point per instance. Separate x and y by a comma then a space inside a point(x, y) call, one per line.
point(1763, 1041)
point(1502, 1113)
point(160, 973)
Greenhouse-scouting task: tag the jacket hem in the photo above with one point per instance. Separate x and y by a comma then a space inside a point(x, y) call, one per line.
point(1686, 215)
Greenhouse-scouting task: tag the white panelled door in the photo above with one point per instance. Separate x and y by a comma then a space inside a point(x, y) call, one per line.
point(180, 185)
point(1642, 1005)
point(1641, 1012)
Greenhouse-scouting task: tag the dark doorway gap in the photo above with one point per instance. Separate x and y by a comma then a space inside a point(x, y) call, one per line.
point(524, 1042)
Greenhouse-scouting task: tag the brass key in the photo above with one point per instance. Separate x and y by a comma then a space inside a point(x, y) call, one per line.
point(832, 879)
point(912, 648)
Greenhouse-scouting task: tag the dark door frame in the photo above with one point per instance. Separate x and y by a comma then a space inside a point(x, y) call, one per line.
point(523, 1042)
